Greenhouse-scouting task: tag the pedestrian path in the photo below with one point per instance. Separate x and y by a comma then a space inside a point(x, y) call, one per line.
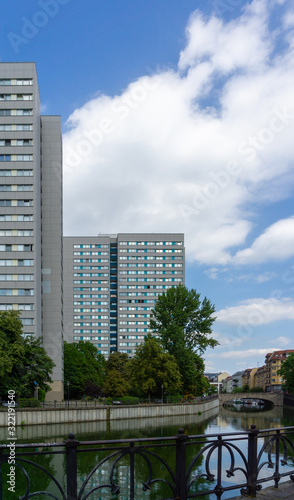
point(285, 491)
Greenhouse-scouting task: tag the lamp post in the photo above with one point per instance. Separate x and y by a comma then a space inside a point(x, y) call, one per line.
point(162, 394)
point(68, 393)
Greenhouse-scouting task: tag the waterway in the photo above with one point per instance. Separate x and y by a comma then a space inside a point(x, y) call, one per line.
point(215, 421)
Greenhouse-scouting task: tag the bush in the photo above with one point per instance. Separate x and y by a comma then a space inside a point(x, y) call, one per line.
point(108, 401)
point(256, 389)
point(28, 403)
point(175, 399)
point(129, 400)
point(41, 394)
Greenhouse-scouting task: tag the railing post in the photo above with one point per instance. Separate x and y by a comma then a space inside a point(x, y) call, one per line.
point(252, 461)
point(71, 467)
point(277, 473)
point(1, 475)
point(181, 465)
point(132, 472)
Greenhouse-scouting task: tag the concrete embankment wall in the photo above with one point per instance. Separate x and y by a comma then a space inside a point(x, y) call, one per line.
point(105, 413)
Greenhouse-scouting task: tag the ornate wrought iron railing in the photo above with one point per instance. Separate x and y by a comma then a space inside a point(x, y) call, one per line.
point(177, 467)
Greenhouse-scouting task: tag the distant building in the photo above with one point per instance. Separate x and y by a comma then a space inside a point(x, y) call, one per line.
point(260, 377)
point(248, 377)
point(111, 283)
point(216, 379)
point(273, 362)
point(237, 379)
point(227, 384)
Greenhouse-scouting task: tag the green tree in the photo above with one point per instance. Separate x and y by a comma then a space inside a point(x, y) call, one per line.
point(151, 368)
point(23, 361)
point(117, 382)
point(82, 364)
point(184, 324)
point(11, 342)
point(287, 372)
point(37, 367)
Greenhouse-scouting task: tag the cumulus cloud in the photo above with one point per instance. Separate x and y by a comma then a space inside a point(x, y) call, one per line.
point(188, 150)
point(257, 311)
point(276, 243)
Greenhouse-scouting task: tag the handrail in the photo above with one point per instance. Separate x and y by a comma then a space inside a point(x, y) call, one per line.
point(197, 470)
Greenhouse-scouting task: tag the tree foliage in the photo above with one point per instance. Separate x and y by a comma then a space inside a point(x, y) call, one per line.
point(23, 361)
point(11, 342)
point(117, 381)
point(184, 324)
point(151, 368)
point(83, 364)
point(287, 372)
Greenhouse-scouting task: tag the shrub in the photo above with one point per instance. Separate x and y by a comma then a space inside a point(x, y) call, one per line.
point(41, 394)
point(28, 403)
point(108, 401)
point(175, 399)
point(129, 400)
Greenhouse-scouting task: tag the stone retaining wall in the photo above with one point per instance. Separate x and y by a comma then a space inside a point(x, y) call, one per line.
point(36, 416)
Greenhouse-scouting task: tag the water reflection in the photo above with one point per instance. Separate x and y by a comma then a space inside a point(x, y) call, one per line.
point(214, 421)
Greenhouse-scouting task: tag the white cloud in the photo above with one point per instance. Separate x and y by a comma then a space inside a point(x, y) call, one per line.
point(228, 46)
point(282, 342)
point(257, 311)
point(257, 278)
point(276, 243)
point(251, 354)
point(161, 157)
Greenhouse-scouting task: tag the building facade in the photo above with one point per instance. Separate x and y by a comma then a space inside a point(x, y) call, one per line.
point(260, 377)
point(111, 283)
point(227, 384)
point(248, 377)
point(237, 380)
point(31, 212)
point(273, 362)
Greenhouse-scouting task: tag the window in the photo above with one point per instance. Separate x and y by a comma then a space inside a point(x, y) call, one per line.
point(23, 158)
point(23, 142)
point(23, 112)
point(27, 321)
point(16, 81)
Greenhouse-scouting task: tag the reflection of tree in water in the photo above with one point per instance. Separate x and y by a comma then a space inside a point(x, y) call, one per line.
point(39, 480)
point(87, 461)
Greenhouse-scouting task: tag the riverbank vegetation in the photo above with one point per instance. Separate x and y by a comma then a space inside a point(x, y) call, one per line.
point(168, 362)
point(23, 361)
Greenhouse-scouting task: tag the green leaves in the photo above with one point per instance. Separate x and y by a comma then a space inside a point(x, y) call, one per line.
point(287, 372)
point(117, 380)
point(82, 363)
point(151, 368)
point(23, 361)
point(183, 324)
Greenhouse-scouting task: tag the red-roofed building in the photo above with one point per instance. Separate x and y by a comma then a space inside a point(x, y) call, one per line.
point(273, 362)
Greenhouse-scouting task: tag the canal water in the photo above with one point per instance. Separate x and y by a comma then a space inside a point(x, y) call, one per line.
point(221, 420)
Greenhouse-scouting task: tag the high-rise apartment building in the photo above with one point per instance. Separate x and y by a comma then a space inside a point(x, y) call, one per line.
point(111, 283)
point(31, 212)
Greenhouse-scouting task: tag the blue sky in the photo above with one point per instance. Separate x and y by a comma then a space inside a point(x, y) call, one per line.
point(178, 116)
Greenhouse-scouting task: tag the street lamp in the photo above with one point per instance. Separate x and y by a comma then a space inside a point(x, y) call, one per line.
point(68, 393)
point(162, 394)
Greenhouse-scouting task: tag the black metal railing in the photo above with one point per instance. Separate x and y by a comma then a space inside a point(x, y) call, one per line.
point(99, 403)
point(177, 467)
